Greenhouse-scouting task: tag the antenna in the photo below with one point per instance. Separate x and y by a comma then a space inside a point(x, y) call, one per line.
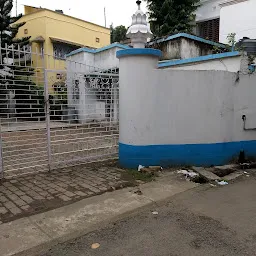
point(105, 18)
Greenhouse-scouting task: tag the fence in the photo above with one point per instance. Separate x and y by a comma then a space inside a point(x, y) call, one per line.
point(54, 113)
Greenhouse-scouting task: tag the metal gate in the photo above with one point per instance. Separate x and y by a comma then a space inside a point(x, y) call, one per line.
point(82, 123)
point(53, 118)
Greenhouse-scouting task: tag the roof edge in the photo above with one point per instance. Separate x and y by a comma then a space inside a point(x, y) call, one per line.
point(192, 37)
point(164, 64)
point(45, 9)
point(94, 51)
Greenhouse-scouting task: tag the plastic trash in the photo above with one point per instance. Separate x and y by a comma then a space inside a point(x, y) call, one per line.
point(140, 167)
point(155, 213)
point(222, 183)
point(95, 246)
point(190, 174)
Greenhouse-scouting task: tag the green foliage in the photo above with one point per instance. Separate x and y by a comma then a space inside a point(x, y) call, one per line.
point(132, 175)
point(8, 31)
point(118, 34)
point(231, 39)
point(171, 16)
point(232, 43)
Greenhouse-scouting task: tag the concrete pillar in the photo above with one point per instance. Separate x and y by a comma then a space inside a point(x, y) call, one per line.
point(135, 100)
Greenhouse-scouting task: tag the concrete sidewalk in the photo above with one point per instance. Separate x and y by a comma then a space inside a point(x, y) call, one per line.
point(28, 236)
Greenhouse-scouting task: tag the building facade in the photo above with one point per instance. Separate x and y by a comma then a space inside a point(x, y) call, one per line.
point(216, 19)
point(54, 35)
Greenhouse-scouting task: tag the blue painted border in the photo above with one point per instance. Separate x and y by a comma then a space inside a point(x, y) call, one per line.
point(188, 154)
point(139, 51)
point(122, 46)
point(163, 64)
point(192, 37)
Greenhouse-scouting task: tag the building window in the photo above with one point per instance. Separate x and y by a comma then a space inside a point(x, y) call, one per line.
point(97, 40)
point(60, 50)
point(209, 29)
point(25, 31)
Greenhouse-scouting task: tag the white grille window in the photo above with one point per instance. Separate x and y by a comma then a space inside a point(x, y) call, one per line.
point(60, 50)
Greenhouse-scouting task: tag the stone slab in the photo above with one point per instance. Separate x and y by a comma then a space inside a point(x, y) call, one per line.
point(233, 176)
point(165, 187)
point(227, 167)
point(206, 173)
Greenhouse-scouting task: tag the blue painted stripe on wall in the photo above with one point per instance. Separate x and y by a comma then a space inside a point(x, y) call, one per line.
point(188, 154)
point(139, 51)
point(198, 59)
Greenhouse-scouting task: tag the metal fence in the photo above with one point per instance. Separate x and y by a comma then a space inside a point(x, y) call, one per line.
point(54, 113)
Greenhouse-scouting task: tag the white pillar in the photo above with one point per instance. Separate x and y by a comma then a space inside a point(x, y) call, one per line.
point(134, 100)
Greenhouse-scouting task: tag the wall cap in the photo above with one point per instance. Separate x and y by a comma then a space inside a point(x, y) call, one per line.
point(169, 63)
point(139, 52)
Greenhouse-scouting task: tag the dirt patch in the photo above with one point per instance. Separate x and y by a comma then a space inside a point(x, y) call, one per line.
point(200, 179)
point(222, 172)
point(133, 176)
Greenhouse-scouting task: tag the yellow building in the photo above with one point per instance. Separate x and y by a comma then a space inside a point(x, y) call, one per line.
point(56, 34)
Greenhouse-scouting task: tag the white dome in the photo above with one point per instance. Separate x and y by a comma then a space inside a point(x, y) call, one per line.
point(139, 31)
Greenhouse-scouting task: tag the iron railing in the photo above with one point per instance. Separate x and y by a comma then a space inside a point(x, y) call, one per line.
point(54, 113)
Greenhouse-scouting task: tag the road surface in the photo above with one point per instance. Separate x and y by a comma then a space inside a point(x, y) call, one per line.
point(206, 221)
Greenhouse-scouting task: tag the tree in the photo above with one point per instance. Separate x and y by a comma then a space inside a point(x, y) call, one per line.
point(171, 16)
point(118, 34)
point(16, 84)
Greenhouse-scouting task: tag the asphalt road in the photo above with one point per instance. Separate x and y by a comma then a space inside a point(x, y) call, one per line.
point(206, 221)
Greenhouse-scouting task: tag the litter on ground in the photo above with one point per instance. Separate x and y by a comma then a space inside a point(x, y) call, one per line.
point(222, 183)
point(95, 246)
point(188, 174)
point(140, 167)
point(155, 213)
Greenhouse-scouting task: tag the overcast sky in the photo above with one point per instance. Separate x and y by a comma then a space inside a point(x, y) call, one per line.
point(118, 12)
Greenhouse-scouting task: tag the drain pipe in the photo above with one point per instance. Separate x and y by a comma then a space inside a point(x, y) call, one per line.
point(246, 129)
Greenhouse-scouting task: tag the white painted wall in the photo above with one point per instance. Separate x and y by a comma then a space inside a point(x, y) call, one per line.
point(136, 112)
point(89, 62)
point(82, 62)
point(107, 59)
point(244, 104)
point(240, 19)
point(232, 64)
point(182, 107)
point(208, 10)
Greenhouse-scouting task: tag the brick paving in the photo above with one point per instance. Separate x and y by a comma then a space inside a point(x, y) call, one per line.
point(32, 194)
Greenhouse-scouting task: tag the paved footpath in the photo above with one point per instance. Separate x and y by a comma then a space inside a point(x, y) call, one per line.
point(32, 194)
point(33, 235)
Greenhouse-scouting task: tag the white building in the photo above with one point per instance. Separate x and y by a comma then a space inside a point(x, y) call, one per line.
point(216, 19)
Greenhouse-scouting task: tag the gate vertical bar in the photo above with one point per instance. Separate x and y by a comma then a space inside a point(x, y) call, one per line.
point(47, 113)
point(1, 156)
